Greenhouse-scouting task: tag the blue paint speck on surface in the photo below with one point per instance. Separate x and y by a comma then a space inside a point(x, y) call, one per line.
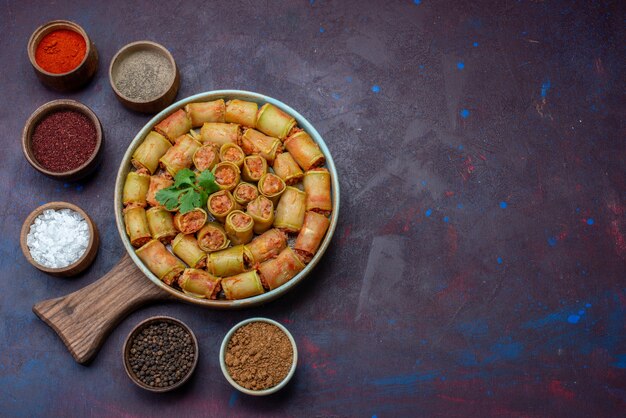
point(336, 96)
point(464, 113)
point(552, 241)
point(459, 205)
point(503, 204)
point(475, 44)
point(577, 210)
point(391, 321)
point(233, 398)
point(588, 305)
point(421, 67)
point(446, 219)
point(590, 221)
point(544, 88)
point(461, 147)
point(80, 188)
point(581, 312)
point(460, 65)
point(311, 2)
point(349, 79)
point(417, 1)
point(376, 88)
point(423, 182)
point(66, 185)
point(573, 319)
point(499, 260)
point(428, 212)
point(621, 361)
point(322, 30)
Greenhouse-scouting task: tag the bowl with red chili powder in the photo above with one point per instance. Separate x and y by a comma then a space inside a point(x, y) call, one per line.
point(63, 139)
point(62, 55)
point(258, 356)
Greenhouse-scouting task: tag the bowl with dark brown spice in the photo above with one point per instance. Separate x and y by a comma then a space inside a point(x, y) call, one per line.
point(63, 139)
point(258, 356)
point(160, 354)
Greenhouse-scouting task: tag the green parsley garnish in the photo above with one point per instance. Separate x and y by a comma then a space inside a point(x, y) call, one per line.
point(188, 191)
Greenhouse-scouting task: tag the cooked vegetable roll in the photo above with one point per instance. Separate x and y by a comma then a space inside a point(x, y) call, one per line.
point(271, 186)
point(186, 248)
point(190, 222)
point(212, 237)
point(290, 210)
point(311, 235)
point(254, 167)
point(239, 227)
point(287, 168)
point(180, 155)
point(227, 262)
point(221, 203)
point(245, 193)
point(160, 261)
point(220, 133)
point(135, 189)
point(241, 112)
point(261, 210)
point(175, 125)
point(274, 122)
point(199, 283)
point(232, 153)
point(161, 224)
point(206, 157)
point(136, 225)
point(242, 286)
point(280, 270)
point(203, 112)
point(317, 187)
point(304, 150)
point(265, 246)
point(227, 175)
point(147, 154)
point(254, 142)
point(158, 182)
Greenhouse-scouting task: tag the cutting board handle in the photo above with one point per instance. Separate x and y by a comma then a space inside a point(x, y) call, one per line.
point(85, 318)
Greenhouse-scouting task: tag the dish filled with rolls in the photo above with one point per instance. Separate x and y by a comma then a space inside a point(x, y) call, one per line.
point(227, 198)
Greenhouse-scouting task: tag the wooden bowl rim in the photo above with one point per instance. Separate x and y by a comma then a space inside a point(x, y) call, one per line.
point(55, 25)
point(56, 206)
point(263, 392)
point(44, 110)
point(139, 327)
point(153, 46)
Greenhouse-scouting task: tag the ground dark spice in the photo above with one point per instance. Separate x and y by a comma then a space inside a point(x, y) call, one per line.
point(161, 354)
point(259, 356)
point(63, 140)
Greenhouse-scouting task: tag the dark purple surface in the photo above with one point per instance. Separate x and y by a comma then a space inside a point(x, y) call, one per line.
point(478, 267)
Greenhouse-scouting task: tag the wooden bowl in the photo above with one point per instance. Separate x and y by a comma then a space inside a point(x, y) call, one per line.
point(267, 391)
point(170, 88)
point(88, 166)
point(79, 265)
point(127, 347)
point(73, 79)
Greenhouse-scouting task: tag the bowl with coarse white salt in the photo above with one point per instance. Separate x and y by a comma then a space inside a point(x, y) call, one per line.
point(59, 238)
point(258, 356)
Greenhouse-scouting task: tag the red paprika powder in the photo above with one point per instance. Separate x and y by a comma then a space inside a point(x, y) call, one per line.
point(60, 51)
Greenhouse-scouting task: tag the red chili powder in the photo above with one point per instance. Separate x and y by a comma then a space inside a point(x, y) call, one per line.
point(63, 140)
point(60, 51)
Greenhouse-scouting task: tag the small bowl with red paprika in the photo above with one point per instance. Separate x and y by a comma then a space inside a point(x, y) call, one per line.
point(63, 139)
point(62, 54)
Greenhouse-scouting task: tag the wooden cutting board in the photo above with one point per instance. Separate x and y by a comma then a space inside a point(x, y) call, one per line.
point(85, 318)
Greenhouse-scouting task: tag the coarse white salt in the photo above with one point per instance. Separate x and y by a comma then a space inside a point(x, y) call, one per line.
point(58, 238)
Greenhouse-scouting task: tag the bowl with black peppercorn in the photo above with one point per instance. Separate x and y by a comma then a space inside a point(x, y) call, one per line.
point(160, 354)
point(258, 356)
point(63, 139)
